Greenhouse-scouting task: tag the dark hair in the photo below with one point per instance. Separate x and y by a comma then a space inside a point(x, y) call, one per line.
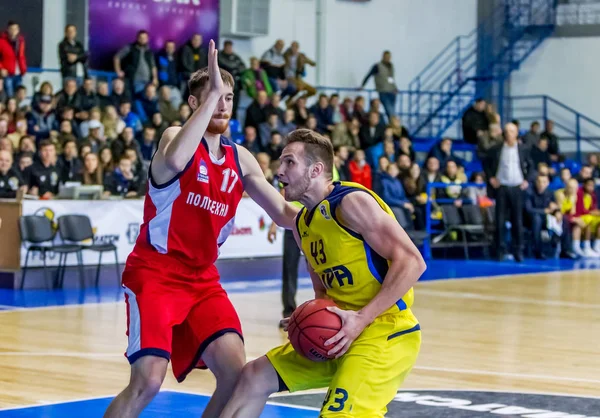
point(317, 148)
point(586, 181)
point(228, 42)
point(141, 32)
point(70, 25)
point(46, 143)
point(535, 123)
point(11, 23)
point(199, 79)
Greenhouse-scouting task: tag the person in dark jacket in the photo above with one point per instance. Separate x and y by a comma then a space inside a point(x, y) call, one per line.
point(87, 93)
point(135, 63)
point(147, 104)
point(324, 115)
point(123, 181)
point(72, 56)
point(71, 167)
point(392, 191)
point(443, 152)
point(230, 61)
point(10, 178)
point(475, 122)
point(256, 113)
point(168, 75)
point(192, 57)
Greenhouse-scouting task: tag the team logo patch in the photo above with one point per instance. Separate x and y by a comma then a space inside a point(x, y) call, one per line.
point(202, 172)
point(323, 211)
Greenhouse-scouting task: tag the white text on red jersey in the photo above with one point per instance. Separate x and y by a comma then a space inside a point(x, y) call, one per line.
point(205, 202)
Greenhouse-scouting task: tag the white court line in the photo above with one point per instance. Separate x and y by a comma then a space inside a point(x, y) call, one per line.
point(93, 398)
point(507, 299)
point(58, 354)
point(479, 390)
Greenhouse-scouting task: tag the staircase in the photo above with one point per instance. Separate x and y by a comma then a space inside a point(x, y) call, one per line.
point(477, 65)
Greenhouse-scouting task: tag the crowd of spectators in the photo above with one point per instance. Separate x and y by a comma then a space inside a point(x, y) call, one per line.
point(100, 134)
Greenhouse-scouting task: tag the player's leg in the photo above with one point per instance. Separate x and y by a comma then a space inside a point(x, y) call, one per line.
point(257, 382)
point(373, 369)
point(147, 375)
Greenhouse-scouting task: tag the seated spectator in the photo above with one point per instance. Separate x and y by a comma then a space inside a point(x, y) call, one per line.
point(359, 111)
point(371, 133)
point(586, 172)
point(560, 181)
point(160, 125)
point(68, 114)
point(295, 71)
point(148, 143)
point(404, 164)
point(137, 166)
point(532, 138)
point(334, 103)
point(45, 175)
point(360, 170)
point(119, 93)
point(46, 89)
point(592, 161)
point(84, 149)
point(347, 109)
point(346, 134)
point(392, 191)
point(275, 146)
point(166, 108)
point(131, 119)
point(275, 106)
point(106, 159)
point(540, 154)
point(24, 163)
point(166, 63)
point(147, 103)
point(113, 124)
point(414, 187)
point(477, 195)
point(266, 128)
point(288, 124)
point(538, 204)
point(586, 208)
point(406, 148)
point(375, 106)
point(104, 98)
point(566, 200)
point(256, 113)
point(10, 178)
point(340, 160)
point(311, 123)
point(184, 113)
point(89, 99)
point(455, 190)
point(475, 122)
point(300, 111)
point(69, 97)
point(255, 80)
point(26, 146)
point(92, 171)
point(124, 141)
point(264, 161)
point(389, 150)
point(20, 130)
point(122, 182)
point(95, 115)
point(431, 174)
point(23, 101)
point(232, 63)
point(69, 165)
point(398, 129)
point(41, 123)
point(192, 57)
point(65, 132)
point(95, 139)
point(251, 142)
point(442, 151)
point(553, 147)
point(324, 115)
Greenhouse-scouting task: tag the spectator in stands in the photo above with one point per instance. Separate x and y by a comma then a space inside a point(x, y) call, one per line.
point(166, 107)
point(404, 164)
point(553, 147)
point(488, 140)
point(26, 145)
point(274, 106)
point(347, 134)
point(10, 178)
point(3, 95)
point(96, 139)
point(311, 123)
point(84, 149)
point(392, 190)
point(566, 200)
point(476, 195)
point(347, 108)
point(46, 89)
point(70, 166)
point(295, 71)
point(104, 99)
point(70, 97)
point(586, 208)
point(135, 63)
point(275, 146)
point(41, 122)
point(538, 204)
point(122, 182)
point(92, 172)
point(192, 58)
point(20, 130)
point(389, 151)
point(266, 128)
point(255, 79)
point(230, 61)
point(431, 174)
point(359, 111)
point(159, 124)
point(119, 94)
point(147, 104)
point(6, 145)
point(301, 112)
point(324, 114)
point(68, 114)
point(23, 102)
point(475, 122)
point(72, 55)
point(251, 142)
point(334, 103)
point(45, 175)
point(95, 115)
point(406, 148)
point(385, 83)
point(586, 172)
point(12, 55)
point(507, 171)
point(340, 159)
point(106, 159)
point(89, 99)
point(256, 112)
point(113, 124)
point(273, 63)
point(148, 143)
point(24, 163)
point(375, 106)
point(531, 138)
point(540, 154)
point(372, 133)
point(137, 165)
point(264, 161)
point(288, 124)
point(124, 141)
point(184, 112)
point(166, 67)
point(131, 119)
point(452, 177)
point(360, 170)
point(442, 151)
point(382, 165)
point(561, 181)
point(592, 161)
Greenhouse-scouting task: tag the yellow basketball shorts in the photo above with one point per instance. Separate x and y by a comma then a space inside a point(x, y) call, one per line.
point(364, 380)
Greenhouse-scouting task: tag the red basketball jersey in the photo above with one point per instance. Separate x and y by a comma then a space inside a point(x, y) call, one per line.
point(192, 215)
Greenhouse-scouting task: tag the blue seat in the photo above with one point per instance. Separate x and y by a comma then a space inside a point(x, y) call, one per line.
point(235, 127)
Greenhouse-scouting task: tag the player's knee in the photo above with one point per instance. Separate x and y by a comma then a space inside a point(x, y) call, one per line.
point(225, 358)
point(147, 377)
point(146, 388)
point(259, 378)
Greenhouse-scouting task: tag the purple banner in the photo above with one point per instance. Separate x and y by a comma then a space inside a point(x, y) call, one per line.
point(114, 24)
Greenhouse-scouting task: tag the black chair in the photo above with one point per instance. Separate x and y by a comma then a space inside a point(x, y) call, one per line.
point(37, 231)
point(475, 222)
point(453, 222)
point(406, 222)
point(78, 228)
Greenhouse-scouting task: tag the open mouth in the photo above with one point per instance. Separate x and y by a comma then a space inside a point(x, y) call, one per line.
point(284, 184)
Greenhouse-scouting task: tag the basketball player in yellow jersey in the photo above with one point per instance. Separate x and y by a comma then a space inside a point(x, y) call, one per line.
point(361, 259)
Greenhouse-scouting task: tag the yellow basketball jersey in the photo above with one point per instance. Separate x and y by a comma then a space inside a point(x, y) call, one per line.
point(350, 270)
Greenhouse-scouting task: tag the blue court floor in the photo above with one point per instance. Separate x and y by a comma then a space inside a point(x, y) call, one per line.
point(166, 404)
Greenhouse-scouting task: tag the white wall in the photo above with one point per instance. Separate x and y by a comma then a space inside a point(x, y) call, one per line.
point(566, 69)
point(54, 26)
point(354, 35)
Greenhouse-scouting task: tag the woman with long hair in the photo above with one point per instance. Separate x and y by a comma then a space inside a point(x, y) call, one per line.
point(92, 171)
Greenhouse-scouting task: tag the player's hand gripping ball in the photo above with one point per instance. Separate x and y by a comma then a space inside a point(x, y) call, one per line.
point(310, 326)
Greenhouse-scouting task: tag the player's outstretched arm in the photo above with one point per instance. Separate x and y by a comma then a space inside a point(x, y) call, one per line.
point(178, 145)
point(263, 193)
point(361, 213)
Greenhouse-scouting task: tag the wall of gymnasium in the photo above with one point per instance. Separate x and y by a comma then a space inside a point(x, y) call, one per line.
point(566, 69)
point(347, 38)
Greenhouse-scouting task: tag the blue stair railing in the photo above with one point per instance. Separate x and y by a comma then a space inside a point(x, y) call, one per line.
point(471, 64)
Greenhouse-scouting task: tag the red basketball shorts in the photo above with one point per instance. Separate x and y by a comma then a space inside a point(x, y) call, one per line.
point(174, 311)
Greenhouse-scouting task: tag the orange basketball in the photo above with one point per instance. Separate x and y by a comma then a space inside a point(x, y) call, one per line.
point(310, 326)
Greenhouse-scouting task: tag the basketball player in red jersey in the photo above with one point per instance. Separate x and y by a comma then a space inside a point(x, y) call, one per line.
point(176, 307)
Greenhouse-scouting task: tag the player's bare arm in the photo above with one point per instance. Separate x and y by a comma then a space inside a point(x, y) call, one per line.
point(361, 213)
point(263, 193)
point(320, 291)
point(178, 145)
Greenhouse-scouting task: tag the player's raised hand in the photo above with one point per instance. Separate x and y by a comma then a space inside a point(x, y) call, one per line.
point(352, 326)
point(214, 74)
